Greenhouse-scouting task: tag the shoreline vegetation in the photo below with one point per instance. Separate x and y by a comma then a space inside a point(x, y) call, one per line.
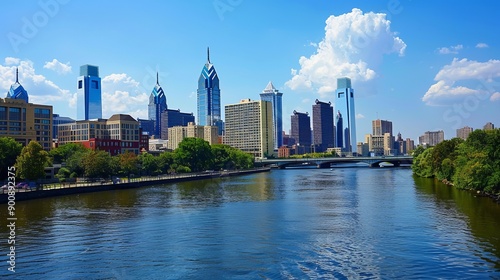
point(473, 164)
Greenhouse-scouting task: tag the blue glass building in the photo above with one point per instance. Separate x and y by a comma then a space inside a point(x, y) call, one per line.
point(346, 128)
point(271, 94)
point(157, 104)
point(208, 96)
point(89, 104)
point(17, 91)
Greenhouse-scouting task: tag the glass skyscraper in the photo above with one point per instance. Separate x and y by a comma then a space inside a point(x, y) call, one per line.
point(208, 97)
point(271, 94)
point(17, 91)
point(157, 104)
point(89, 104)
point(346, 122)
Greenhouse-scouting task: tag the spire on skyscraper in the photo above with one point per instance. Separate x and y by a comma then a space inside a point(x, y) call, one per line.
point(208, 55)
point(157, 78)
point(17, 75)
point(17, 91)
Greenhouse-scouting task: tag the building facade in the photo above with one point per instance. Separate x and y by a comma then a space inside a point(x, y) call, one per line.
point(171, 118)
point(147, 126)
point(489, 126)
point(25, 122)
point(464, 132)
point(157, 104)
point(323, 134)
point(249, 127)
point(380, 127)
point(89, 103)
point(118, 134)
point(178, 133)
point(271, 94)
point(431, 138)
point(301, 129)
point(56, 121)
point(208, 95)
point(345, 105)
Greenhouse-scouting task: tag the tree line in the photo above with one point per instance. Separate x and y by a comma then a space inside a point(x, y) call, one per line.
point(471, 164)
point(192, 155)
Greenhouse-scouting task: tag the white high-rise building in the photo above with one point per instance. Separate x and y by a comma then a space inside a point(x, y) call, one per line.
point(249, 127)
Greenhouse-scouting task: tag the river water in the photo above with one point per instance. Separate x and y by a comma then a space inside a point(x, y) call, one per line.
point(345, 223)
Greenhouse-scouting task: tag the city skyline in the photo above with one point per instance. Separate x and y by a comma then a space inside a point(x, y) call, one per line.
point(417, 77)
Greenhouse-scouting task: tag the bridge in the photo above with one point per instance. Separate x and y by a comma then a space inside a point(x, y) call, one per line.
point(327, 162)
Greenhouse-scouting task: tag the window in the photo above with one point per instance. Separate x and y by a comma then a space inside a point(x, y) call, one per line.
point(95, 84)
point(80, 84)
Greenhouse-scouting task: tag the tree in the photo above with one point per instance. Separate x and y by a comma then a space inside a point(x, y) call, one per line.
point(64, 152)
point(194, 153)
point(422, 164)
point(128, 163)
point(221, 157)
point(30, 165)
point(63, 174)
point(74, 162)
point(9, 151)
point(150, 165)
point(97, 164)
point(166, 162)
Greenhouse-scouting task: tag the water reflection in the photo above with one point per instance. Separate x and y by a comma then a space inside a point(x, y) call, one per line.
point(481, 214)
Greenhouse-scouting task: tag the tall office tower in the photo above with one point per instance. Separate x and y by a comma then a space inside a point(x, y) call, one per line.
point(271, 94)
point(380, 127)
point(339, 124)
point(171, 118)
point(249, 127)
point(89, 104)
point(157, 104)
point(431, 138)
point(322, 125)
point(301, 129)
point(489, 126)
point(345, 105)
point(464, 132)
point(17, 91)
point(208, 97)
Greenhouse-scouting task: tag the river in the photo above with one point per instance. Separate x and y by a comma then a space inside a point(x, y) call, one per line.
point(345, 223)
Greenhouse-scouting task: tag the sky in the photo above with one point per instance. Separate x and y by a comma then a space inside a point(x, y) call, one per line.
point(423, 65)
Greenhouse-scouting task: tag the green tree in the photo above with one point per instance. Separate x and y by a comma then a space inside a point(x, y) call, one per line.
point(74, 162)
point(150, 165)
point(30, 165)
point(9, 151)
point(63, 174)
point(166, 162)
point(194, 153)
point(422, 164)
point(221, 157)
point(448, 149)
point(128, 163)
point(97, 164)
point(64, 152)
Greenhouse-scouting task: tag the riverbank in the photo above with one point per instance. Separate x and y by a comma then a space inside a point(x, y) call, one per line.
point(495, 197)
point(22, 195)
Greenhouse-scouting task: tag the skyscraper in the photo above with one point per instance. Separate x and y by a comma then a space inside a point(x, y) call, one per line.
point(380, 127)
point(301, 129)
point(345, 105)
point(322, 125)
point(464, 132)
point(208, 98)
point(271, 94)
point(157, 104)
point(89, 104)
point(249, 127)
point(489, 126)
point(17, 91)
point(431, 138)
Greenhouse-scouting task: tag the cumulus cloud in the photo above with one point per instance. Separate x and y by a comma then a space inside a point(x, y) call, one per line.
point(450, 50)
point(359, 116)
point(121, 94)
point(495, 96)
point(353, 46)
point(463, 78)
point(58, 67)
point(40, 89)
point(482, 45)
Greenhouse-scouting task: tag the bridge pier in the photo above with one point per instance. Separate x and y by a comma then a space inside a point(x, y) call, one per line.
point(324, 165)
point(376, 164)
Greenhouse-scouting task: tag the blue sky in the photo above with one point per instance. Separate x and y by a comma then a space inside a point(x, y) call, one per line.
point(423, 65)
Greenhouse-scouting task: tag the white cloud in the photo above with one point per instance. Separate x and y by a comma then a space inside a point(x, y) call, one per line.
point(463, 78)
point(482, 45)
point(353, 46)
point(40, 89)
point(359, 116)
point(121, 94)
point(452, 49)
point(58, 67)
point(495, 96)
